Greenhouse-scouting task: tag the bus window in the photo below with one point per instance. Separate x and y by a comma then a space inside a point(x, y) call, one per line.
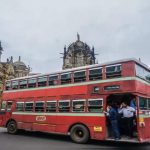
point(142, 73)
point(8, 85)
point(9, 104)
point(23, 84)
point(39, 106)
point(113, 71)
point(32, 83)
point(3, 106)
point(15, 85)
point(51, 106)
point(95, 74)
point(149, 104)
point(42, 81)
point(78, 105)
point(64, 106)
point(143, 103)
point(95, 105)
point(79, 76)
point(65, 78)
point(53, 79)
point(29, 106)
point(19, 106)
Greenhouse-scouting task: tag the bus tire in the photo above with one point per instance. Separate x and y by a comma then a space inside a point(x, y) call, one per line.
point(12, 127)
point(79, 134)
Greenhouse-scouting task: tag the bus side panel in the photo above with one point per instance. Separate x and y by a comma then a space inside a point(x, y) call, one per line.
point(96, 125)
point(144, 130)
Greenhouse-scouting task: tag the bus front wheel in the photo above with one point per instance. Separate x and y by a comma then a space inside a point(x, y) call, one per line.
point(12, 127)
point(79, 133)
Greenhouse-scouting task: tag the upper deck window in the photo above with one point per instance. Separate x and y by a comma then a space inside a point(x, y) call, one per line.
point(23, 84)
point(95, 74)
point(142, 73)
point(79, 76)
point(113, 71)
point(8, 85)
point(65, 78)
point(53, 79)
point(149, 103)
point(15, 85)
point(32, 83)
point(42, 81)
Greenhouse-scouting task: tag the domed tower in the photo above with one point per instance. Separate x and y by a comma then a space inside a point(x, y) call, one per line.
point(78, 54)
point(20, 68)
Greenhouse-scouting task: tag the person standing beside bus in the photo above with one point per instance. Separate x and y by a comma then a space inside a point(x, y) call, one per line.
point(113, 116)
point(128, 114)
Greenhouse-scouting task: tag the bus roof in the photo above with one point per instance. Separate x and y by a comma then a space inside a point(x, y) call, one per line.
point(88, 66)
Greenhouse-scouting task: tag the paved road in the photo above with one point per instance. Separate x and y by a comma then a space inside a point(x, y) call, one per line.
point(42, 141)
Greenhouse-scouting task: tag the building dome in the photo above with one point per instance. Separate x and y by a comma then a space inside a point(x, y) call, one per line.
point(19, 65)
point(78, 54)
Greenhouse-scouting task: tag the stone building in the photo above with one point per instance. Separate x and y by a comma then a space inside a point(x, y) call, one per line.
point(20, 68)
point(78, 54)
point(15, 69)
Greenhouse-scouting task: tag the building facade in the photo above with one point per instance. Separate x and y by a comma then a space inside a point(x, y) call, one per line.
point(78, 54)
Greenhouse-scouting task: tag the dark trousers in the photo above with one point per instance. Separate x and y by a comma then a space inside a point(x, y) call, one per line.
point(115, 128)
point(128, 126)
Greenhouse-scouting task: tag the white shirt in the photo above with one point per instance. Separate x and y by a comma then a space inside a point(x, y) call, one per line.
point(127, 112)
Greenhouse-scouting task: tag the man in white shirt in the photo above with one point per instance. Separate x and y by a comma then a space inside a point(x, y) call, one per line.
point(128, 114)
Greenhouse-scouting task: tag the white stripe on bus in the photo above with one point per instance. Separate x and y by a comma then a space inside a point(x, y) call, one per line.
point(59, 114)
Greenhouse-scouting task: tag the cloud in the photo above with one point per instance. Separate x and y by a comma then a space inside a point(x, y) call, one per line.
point(38, 29)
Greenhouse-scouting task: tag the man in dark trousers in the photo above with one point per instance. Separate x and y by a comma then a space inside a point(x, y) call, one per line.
point(128, 114)
point(113, 115)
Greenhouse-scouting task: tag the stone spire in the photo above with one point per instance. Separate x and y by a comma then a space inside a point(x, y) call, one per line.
point(78, 37)
point(1, 49)
point(19, 58)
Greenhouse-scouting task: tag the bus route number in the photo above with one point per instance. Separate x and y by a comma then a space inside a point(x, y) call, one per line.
point(40, 118)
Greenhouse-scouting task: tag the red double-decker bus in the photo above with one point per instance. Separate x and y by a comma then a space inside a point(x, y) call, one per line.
point(73, 101)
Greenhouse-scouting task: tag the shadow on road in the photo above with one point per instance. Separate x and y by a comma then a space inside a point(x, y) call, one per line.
point(98, 144)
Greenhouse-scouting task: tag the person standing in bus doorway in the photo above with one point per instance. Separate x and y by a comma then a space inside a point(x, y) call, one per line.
point(128, 114)
point(113, 117)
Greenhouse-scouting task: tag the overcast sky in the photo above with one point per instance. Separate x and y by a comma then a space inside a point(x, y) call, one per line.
point(37, 30)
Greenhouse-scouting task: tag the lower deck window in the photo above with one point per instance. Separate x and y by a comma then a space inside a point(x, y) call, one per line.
point(19, 106)
point(3, 105)
point(29, 106)
point(64, 106)
point(143, 103)
point(51, 106)
point(78, 105)
point(39, 106)
point(9, 104)
point(95, 105)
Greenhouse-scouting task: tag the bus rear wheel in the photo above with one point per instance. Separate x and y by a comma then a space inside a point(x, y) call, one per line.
point(12, 127)
point(79, 134)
